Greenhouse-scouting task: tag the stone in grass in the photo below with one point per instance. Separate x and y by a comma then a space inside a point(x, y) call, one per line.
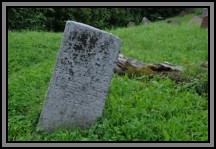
point(81, 77)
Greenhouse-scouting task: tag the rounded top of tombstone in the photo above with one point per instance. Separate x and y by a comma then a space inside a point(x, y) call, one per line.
point(145, 20)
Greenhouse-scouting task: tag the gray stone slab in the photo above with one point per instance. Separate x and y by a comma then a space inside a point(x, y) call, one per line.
point(81, 77)
point(205, 12)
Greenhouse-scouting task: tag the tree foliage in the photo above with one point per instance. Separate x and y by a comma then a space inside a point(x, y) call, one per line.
point(54, 19)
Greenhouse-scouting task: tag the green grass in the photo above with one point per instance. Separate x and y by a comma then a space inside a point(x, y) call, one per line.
point(146, 109)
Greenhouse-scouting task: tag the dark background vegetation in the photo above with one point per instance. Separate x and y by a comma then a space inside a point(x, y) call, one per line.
point(54, 19)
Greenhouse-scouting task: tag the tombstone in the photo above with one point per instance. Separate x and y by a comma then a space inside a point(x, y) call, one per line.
point(81, 78)
point(145, 21)
point(131, 24)
point(205, 12)
point(205, 22)
point(196, 20)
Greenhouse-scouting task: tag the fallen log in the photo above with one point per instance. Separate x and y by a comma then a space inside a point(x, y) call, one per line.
point(137, 68)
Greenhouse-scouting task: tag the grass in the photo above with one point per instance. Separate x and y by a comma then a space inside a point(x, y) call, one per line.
point(137, 109)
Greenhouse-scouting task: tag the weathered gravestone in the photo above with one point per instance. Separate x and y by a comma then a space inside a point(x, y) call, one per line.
point(145, 20)
point(205, 12)
point(196, 20)
point(205, 18)
point(81, 77)
point(205, 22)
